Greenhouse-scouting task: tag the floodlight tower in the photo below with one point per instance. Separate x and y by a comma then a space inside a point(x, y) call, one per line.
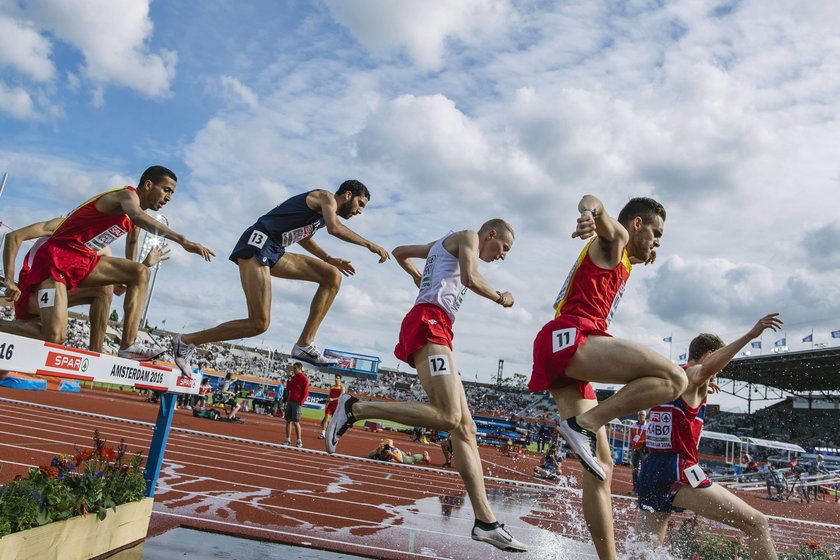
point(151, 241)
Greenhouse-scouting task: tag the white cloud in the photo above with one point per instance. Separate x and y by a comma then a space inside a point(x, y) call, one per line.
point(25, 49)
point(423, 29)
point(239, 92)
point(112, 35)
point(17, 102)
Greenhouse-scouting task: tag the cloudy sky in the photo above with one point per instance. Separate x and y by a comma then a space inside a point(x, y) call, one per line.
point(451, 113)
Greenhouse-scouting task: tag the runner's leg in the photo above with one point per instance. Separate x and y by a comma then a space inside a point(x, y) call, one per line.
point(256, 284)
point(649, 379)
point(719, 504)
point(597, 501)
point(54, 314)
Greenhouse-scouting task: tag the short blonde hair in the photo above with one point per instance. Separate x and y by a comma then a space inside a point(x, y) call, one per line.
point(498, 224)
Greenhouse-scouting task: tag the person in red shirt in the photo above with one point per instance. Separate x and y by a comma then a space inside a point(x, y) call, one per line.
point(575, 349)
point(336, 391)
point(297, 389)
point(638, 449)
point(69, 259)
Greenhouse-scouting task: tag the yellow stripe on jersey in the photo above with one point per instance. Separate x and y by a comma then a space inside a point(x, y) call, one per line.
point(97, 197)
point(564, 291)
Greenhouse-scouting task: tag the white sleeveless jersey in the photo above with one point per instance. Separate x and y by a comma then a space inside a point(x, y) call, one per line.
point(441, 280)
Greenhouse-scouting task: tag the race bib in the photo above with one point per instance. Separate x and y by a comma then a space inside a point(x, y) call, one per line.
point(659, 430)
point(695, 475)
point(46, 298)
point(426, 278)
point(299, 234)
point(257, 239)
point(105, 238)
point(439, 364)
point(563, 338)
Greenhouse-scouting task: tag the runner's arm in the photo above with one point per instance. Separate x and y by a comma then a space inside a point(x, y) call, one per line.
point(718, 359)
point(403, 255)
point(131, 241)
point(343, 265)
point(467, 241)
point(612, 236)
point(325, 201)
point(130, 205)
point(12, 246)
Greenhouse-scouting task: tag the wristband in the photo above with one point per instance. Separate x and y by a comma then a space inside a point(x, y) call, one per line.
point(501, 297)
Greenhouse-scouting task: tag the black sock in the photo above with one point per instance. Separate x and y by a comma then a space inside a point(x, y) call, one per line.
point(486, 526)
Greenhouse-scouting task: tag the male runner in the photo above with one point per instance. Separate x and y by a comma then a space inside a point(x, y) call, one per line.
point(336, 391)
point(425, 343)
point(671, 479)
point(261, 253)
point(575, 349)
point(26, 321)
point(68, 259)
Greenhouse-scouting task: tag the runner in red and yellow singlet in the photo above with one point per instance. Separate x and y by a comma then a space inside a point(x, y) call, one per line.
point(574, 349)
point(69, 259)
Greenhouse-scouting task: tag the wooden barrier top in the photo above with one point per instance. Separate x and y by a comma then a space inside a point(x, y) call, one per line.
point(27, 355)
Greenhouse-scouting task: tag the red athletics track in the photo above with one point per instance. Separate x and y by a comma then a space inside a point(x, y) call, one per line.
point(247, 485)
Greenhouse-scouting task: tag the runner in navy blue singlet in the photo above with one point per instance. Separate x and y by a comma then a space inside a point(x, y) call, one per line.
point(261, 253)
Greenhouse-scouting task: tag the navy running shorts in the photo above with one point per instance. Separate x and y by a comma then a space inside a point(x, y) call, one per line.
point(255, 243)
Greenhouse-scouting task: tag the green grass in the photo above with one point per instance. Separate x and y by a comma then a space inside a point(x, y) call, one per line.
point(315, 414)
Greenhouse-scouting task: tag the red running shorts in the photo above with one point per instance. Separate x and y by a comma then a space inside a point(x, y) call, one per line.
point(425, 323)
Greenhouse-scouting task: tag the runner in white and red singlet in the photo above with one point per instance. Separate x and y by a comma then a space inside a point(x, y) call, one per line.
point(425, 343)
point(575, 349)
point(69, 259)
point(671, 478)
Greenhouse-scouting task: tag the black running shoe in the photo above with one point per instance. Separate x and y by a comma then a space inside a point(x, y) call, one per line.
point(584, 444)
point(340, 421)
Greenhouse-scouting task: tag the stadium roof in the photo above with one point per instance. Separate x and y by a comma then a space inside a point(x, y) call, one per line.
point(794, 372)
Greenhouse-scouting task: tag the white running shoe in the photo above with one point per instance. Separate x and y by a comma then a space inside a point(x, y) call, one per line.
point(584, 444)
point(340, 421)
point(299, 443)
point(140, 352)
point(312, 355)
point(499, 537)
point(182, 353)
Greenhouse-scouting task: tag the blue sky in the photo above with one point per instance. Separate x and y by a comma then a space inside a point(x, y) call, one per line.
point(451, 113)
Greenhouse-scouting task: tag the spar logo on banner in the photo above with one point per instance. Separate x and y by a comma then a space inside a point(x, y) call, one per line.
point(66, 361)
point(183, 381)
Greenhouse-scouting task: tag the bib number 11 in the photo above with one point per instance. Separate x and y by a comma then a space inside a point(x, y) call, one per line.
point(562, 339)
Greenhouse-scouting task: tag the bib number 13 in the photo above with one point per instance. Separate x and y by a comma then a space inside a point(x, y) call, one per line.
point(562, 339)
point(257, 239)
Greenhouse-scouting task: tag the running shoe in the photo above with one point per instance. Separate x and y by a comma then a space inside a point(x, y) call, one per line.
point(340, 422)
point(312, 355)
point(140, 352)
point(182, 353)
point(498, 536)
point(583, 442)
point(287, 442)
point(426, 458)
point(299, 443)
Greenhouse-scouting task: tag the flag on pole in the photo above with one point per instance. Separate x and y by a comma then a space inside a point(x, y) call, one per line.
point(780, 342)
point(683, 357)
point(756, 344)
point(666, 339)
point(809, 338)
point(835, 334)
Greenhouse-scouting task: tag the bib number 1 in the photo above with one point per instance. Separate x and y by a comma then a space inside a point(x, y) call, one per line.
point(695, 475)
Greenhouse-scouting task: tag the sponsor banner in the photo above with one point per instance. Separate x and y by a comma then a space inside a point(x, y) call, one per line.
point(26, 355)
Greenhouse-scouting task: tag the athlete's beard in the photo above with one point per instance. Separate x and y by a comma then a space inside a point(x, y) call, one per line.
point(344, 209)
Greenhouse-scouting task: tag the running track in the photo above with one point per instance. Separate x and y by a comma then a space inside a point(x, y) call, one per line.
point(235, 478)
